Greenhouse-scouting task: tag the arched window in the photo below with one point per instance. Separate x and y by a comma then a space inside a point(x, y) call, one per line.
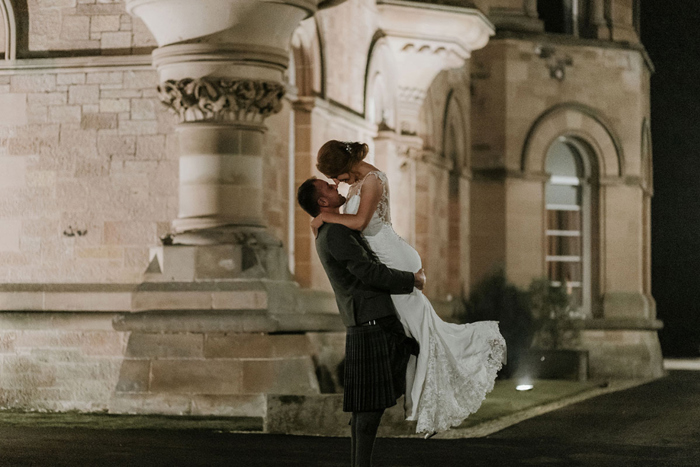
point(3, 40)
point(379, 104)
point(453, 150)
point(570, 223)
point(380, 86)
point(8, 31)
point(305, 68)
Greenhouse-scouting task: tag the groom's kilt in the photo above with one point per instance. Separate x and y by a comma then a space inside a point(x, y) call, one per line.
point(375, 365)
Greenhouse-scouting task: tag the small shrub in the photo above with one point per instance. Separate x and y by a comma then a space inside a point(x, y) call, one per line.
point(553, 315)
point(495, 299)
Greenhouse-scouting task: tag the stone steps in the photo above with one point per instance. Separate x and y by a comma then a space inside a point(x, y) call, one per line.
point(200, 374)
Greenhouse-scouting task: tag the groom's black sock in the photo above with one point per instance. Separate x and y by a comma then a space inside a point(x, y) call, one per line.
point(364, 429)
point(353, 440)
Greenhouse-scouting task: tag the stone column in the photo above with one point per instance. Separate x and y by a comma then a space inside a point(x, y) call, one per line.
point(220, 65)
point(530, 7)
point(221, 142)
point(205, 339)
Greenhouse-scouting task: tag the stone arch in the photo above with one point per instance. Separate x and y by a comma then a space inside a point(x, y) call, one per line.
point(307, 58)
point(381, 83)
point(454, 144)
point(454, 140)
point(9, 23)
point(579, 122)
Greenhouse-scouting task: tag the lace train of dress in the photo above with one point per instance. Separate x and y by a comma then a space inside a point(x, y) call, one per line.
point(457, 363)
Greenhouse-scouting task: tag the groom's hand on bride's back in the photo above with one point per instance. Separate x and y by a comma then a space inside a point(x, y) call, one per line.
point(419, 279)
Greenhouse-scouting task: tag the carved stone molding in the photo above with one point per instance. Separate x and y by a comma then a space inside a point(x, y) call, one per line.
point(425, 39)
point(555, 61)
point(222, 100)
point(411, 94)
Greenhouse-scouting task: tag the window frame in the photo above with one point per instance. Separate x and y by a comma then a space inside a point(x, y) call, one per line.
point(586, 232)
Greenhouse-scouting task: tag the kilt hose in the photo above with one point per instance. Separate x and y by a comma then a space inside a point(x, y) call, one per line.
point(376, 358)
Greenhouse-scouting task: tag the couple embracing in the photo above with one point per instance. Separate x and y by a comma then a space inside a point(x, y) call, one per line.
point(396, 344)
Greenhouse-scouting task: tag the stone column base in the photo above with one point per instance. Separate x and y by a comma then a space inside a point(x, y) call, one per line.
point(623, 348)
point(216, 374)
point(209, 348)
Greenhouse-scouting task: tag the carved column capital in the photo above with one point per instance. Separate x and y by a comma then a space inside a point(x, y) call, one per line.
point(222, 100)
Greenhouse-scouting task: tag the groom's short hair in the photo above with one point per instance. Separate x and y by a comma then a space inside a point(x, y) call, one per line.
point(307, 197)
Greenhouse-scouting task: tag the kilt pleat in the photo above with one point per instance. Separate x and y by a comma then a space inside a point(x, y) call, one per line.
point(375, 368)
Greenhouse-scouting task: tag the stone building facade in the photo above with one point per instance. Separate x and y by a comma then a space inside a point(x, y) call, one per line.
point(152, 258)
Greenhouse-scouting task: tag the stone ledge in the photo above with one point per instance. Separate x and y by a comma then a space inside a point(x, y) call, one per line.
point(62, 321)
point(195, 405)
point(622, 324)
point(86, 64)
point(225, 321)
point(102, 421)
point(284, 297)
point(571, 41)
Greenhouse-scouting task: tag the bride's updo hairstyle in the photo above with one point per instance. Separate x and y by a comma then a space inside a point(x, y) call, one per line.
point(338, 157)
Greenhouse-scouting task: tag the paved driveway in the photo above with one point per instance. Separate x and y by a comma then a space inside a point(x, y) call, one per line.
point(657, 424)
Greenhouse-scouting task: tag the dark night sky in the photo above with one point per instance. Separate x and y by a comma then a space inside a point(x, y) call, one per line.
point(671, 35)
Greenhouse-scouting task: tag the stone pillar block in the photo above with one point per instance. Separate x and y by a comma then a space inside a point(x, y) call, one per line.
point(623, 353)
point(221, 178)
point(628, 305)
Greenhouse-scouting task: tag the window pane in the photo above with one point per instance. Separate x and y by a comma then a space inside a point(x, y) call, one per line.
point(563, 195)
point(564, 271)
point(563, 246)
point(563, 220)
point(563, 159)
point(576, 294)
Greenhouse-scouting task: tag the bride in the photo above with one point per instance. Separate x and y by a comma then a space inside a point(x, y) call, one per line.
point(457, 363)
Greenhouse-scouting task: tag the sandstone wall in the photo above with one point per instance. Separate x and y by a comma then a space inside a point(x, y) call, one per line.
point(97, 25)
point(514, 87)
point(66, 362)
point(606, 89)
point(90, 167)
point(347, 32)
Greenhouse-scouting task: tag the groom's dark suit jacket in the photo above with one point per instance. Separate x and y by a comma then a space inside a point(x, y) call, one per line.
point(361, 283)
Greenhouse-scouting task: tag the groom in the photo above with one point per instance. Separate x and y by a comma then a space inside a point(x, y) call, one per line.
point(376, 347)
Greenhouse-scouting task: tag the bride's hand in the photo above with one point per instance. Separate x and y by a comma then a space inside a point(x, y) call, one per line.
point(419, 279)
point(316, 224)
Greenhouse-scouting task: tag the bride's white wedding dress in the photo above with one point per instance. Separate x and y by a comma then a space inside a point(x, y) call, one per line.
point(457, 363)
